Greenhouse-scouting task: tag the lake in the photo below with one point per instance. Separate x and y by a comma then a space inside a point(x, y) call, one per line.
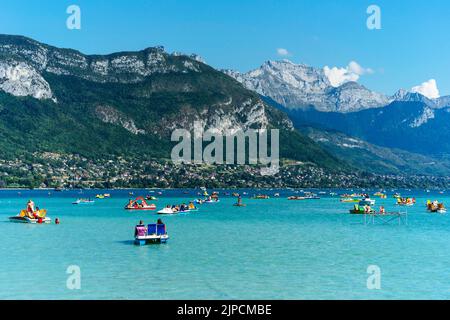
point(270, 249)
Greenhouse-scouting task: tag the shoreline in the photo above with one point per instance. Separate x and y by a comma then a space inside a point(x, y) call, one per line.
point(431, 189)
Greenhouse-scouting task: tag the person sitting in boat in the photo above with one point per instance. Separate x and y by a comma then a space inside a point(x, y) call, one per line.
point(35, 213)
point(130, 203)
point(367, 209)
point(161, 223)
point(140, 229)
point(191, 206)
point(30, 206)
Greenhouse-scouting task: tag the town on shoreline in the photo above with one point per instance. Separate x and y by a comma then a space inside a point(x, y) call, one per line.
point(62, 171)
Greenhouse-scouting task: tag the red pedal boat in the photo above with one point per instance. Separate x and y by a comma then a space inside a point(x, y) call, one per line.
point(139, 204)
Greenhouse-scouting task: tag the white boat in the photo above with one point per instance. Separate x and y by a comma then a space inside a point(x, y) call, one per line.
point(211, 201)
point(166, 211)
point(367, 202)
point(19, 219)
point(83, 201)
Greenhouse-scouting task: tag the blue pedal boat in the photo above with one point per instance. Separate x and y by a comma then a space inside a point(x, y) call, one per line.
point(154, 233)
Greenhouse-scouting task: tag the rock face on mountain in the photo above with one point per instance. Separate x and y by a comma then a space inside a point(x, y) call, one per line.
point(406, 96)
point(20, 79)
point(24, 64)
point(60, 100)
point(124, 67)
point(297, 86)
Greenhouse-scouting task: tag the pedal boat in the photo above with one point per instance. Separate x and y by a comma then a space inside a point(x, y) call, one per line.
point(139, 204)
point(354, 211)
point(154, 233)
point(19, 219)
point(24, 217)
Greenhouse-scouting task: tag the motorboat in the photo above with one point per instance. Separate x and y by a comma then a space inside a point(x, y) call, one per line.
point(261, 197)
point(167, 211)
point(83, 201)
point(296, 198)
point(209, 201)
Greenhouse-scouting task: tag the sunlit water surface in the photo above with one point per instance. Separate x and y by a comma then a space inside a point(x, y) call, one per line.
point(271, 249)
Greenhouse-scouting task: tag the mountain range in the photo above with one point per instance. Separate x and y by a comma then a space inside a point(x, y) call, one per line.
point(125, 103)
point(407, 122)
point(298, 86)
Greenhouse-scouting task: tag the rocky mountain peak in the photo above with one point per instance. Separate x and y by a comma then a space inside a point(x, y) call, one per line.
point(124, 67)
point(296, 86)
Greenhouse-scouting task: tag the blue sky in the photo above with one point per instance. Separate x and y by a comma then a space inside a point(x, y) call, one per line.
point(413, 45)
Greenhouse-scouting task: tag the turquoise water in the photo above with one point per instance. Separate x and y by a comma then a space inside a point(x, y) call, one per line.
point(271, 249)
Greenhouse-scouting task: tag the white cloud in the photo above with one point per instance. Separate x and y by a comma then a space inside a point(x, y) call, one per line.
point(283, 52)
point(429, 89)
point(339, 76)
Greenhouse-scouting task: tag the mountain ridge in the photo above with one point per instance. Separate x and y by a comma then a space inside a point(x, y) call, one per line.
point(299, 86)
point(60, 100)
